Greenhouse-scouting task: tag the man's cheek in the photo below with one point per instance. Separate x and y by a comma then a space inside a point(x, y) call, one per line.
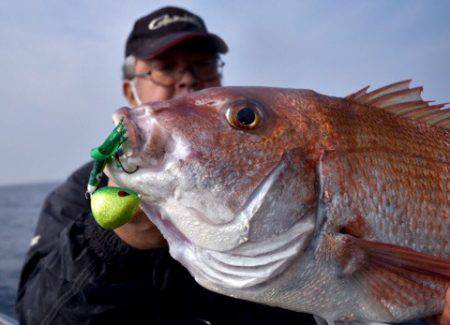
point(151, 93)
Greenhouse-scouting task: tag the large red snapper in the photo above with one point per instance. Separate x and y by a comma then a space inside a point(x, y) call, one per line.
point(334, 206)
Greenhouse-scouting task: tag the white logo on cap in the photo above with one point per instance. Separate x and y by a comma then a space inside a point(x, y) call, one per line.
point(165, 20)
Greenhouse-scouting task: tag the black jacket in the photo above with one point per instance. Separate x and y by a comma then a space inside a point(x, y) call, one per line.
point(78, 273)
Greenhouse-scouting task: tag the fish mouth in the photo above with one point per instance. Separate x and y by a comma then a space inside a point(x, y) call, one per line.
point(149, 143)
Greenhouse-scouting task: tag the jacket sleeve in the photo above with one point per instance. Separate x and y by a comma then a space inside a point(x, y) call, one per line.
point(73, 265)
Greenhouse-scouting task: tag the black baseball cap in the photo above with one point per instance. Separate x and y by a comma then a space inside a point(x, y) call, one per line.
point(162, 29)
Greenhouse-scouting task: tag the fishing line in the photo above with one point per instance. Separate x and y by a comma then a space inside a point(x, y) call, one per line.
point(116, 156)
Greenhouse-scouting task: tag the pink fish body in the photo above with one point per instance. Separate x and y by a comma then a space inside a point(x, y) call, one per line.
point(337, 207)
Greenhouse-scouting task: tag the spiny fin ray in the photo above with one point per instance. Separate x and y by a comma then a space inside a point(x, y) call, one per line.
point(398, 98)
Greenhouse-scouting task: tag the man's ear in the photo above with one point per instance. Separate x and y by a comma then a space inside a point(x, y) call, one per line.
point(128, 93)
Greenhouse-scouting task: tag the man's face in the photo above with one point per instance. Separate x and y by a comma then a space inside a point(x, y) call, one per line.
point(140, 232)
point(181, 58)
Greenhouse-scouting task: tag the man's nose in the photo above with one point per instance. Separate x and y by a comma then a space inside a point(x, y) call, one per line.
point(187, 83)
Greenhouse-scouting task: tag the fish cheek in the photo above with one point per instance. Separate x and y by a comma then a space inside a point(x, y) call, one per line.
point(290, 197)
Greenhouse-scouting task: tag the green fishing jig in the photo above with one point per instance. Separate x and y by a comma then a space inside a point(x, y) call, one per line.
point(104, 154)
point(111, 207)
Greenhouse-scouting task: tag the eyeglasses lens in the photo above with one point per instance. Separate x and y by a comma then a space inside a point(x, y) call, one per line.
point(169, 73)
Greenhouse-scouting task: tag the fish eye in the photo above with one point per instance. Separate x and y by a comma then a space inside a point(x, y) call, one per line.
point(243, 114)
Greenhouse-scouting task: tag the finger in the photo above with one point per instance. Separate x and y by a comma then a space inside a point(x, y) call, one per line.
point(444, 319)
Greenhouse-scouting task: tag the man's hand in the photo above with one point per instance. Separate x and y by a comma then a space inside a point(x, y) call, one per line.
point(140, 232)
point(444, 319)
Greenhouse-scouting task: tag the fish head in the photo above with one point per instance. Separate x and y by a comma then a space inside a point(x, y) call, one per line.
point(224, 172)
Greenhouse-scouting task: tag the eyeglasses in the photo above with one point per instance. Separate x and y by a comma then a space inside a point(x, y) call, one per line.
point(168, 73)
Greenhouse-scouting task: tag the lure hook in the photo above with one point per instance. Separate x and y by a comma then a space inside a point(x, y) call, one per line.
point(116, 156)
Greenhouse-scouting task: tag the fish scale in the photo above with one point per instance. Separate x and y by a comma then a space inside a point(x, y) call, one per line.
point(418, 207)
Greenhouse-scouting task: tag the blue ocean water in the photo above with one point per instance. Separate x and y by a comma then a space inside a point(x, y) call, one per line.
point(19, 211)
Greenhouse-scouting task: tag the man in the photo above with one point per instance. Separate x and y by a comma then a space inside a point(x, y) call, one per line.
point(79, 273)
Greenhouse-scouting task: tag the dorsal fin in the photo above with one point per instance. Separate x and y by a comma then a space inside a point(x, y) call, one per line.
point(398, 98)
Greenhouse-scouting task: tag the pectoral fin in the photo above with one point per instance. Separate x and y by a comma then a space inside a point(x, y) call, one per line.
point(393, 256)
point(398, 278)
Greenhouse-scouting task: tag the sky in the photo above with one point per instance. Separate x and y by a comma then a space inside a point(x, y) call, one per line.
point(60, 62)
